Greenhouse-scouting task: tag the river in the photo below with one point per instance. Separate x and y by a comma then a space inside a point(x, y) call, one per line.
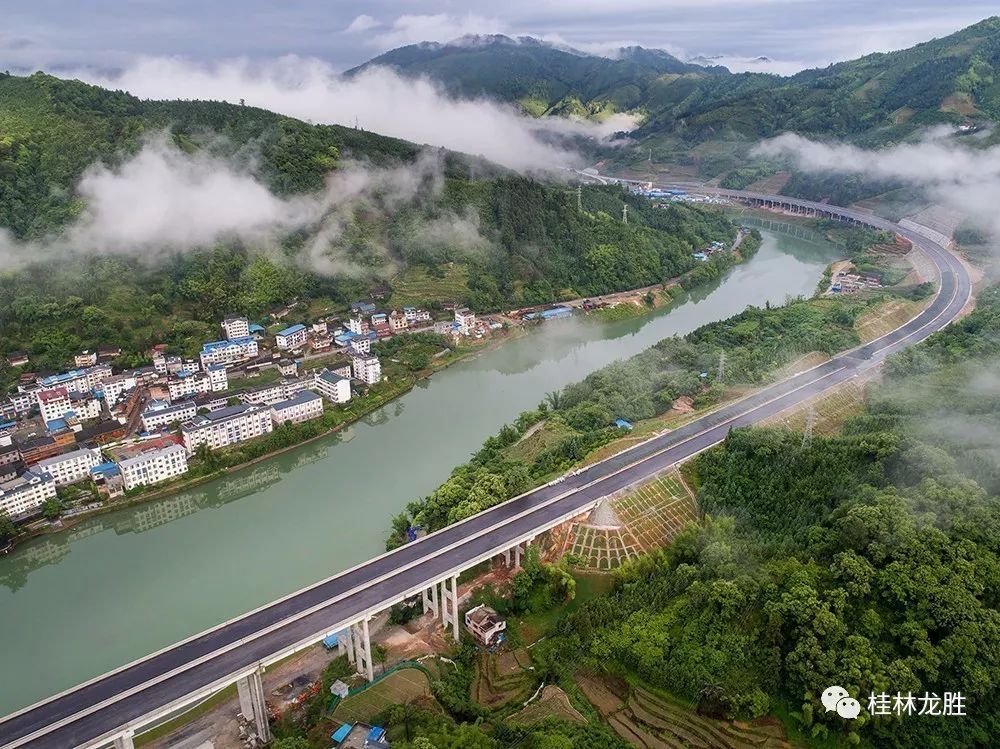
point(117, 587)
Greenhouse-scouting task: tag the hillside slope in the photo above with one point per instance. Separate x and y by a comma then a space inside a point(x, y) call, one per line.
point(542, 78)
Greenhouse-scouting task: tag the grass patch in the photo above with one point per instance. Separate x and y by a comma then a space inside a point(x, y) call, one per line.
point(886, 317)
point(535, 442)
point(398, 688)
point(418, 286)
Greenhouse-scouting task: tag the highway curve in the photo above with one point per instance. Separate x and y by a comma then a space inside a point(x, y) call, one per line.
point(92, 713)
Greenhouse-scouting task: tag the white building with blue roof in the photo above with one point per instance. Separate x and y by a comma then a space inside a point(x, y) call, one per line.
point(229, 352)
point(291, 337)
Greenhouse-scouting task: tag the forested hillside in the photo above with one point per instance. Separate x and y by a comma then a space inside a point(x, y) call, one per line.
point(521, 241)
point(542, 78)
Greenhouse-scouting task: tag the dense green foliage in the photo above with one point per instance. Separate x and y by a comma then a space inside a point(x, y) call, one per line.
point(868, 560)
point(542, 78)
point(756, 343)
point(524, 242)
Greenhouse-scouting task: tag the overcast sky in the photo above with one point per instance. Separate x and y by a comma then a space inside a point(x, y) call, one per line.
point(53, 34)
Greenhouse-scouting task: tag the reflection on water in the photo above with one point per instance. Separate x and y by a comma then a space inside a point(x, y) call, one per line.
point(52, 548)
point(141, 578)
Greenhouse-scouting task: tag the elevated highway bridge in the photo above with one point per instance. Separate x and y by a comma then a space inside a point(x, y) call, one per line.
point(111, 709)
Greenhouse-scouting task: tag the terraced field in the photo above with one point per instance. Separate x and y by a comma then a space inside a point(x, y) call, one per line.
point(553, 703)
point(649, 720)
point(502, 678)
point(400, 687)
point(646, 518)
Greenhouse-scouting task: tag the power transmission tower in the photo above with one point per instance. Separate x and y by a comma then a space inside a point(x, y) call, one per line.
point(722, 366)
point(807, 433)
point(625, 213)
point(579, 198)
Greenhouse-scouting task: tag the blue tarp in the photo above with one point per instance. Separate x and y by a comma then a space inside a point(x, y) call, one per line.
point(376, 734)
point(622, 424)
point(331, 641)
point(341, 733)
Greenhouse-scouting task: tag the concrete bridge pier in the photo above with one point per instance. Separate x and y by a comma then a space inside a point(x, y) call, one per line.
point(363, 650)
point(430, 598)
point(251, 693)
point(449, 605)
point(124, 740)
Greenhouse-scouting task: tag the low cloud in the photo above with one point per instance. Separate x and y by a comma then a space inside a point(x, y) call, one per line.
point(952, 171)
point(362, 23)
point(163, 201)
point(377, 99)
point(436, 27)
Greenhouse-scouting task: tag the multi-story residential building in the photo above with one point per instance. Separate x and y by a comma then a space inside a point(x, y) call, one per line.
point(212, 401)
point(341, 365)
point(360, 344)
point(334, 386)
point(70, 467)
point(53, 403)
point(85, 406)
point(227, 426)
point(303, 406)
point(153, 466)
point(265, 395)
point(218, 378)
point(85, 359)
point(291, 337)
point(158, 413)
point(398, 321)
point(115, 387)
point(379, 318)
point(288, 367)
point(320, 327)
point(215, 380)
point(466, 320)
point(236, 327)
point(77, 380)
point(229, 352)
point(414, 315)
point(357, 325)
point(294, 385)
point(24, 400)
point(368, 369)
point(23, 496)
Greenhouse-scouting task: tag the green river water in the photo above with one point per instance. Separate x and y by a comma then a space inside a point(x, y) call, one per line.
point(117, 587)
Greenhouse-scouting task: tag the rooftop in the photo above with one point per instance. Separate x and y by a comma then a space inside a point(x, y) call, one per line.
point(303, 396)
point(65, 456)
point(216, 345)
point(291, 330)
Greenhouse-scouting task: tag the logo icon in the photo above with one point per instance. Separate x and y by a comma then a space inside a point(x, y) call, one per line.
point(837, 698)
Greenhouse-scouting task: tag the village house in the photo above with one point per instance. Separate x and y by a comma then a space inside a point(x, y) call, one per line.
point(54, 403)
point(236, 327)
point(466, 320)
point(158, 413)
point(70, 467)
point(368, 369)
point(303, 406)
point(358, 325)
point(333, 386)
point(153, 465)
point(85, 359)
point(291, 337)
point(23, 496)
point(227, 426)
point(228, 352)
point(288, 367)
point(398, 322)
point(485, 624)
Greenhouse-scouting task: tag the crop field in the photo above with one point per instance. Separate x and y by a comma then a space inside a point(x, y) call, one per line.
point(502, 678)
point(399, 687)
point(552, 703)
point(415, 286)
point(650, 720)
point(651, 516)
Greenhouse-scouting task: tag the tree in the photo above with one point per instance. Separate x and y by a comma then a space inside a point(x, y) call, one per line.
point(291, 742)
point(7, 527)
point(51, 508)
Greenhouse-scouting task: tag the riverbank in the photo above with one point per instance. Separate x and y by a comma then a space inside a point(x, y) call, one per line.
point(171, 488)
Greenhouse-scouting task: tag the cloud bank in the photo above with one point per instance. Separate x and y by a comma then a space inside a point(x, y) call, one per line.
point(163, 201)
point(952, 171)
point(378, 100)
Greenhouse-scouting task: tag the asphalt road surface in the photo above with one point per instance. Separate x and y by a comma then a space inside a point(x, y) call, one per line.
point(108, 704)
